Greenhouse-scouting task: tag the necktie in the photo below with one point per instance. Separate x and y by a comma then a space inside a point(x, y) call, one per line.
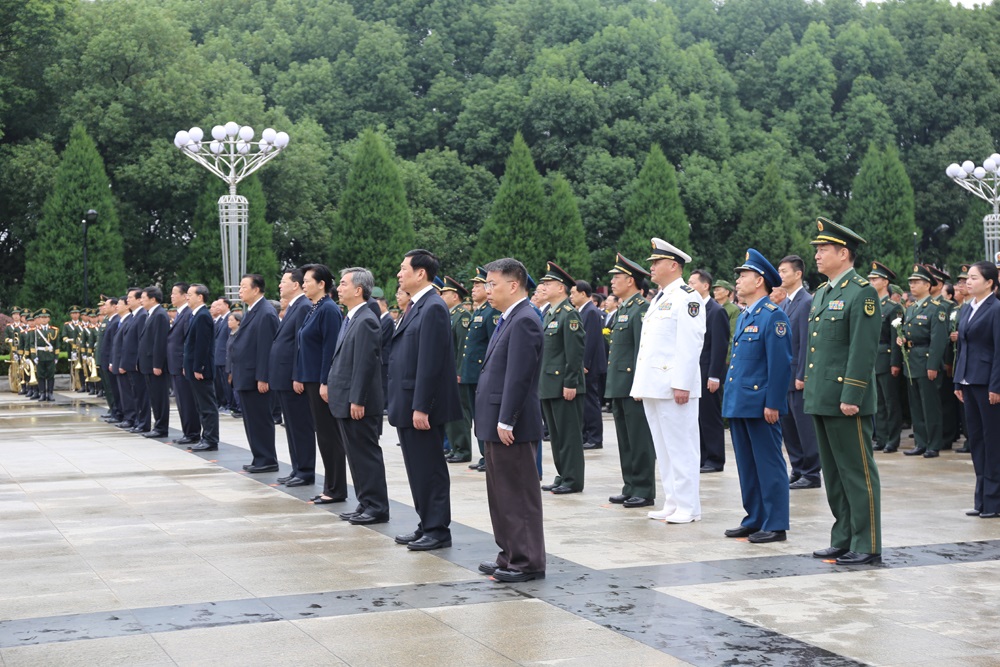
point(343, 329)
point(503, 320)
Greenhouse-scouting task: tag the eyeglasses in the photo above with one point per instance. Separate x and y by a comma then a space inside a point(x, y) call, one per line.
point(492, 284)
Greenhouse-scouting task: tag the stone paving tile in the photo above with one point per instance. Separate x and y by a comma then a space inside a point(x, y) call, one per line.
point(277, 643)
point(141, 650)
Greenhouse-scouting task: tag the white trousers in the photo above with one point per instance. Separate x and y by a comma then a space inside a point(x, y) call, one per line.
point(678, 453)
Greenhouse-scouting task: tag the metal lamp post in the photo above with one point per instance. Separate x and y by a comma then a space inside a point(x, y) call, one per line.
point(231, 156)
point(984, 182)
point(89, 219)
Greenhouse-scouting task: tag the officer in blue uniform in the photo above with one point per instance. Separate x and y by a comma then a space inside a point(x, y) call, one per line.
point(755, 397)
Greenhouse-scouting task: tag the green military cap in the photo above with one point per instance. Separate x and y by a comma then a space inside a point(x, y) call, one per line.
point(74, 309)
point(554, 272)
point(171, 309)
point(394, 309)
point(880, 270)
point(664, 250)
point(15, 311)
point(896, 289)
point(829, 232)
point(237, 307)
point(963, 272)
point(626, 266)
point(480, 276)
point(378, 293)
point(724, 284)
point(941, 275)
point(452, 285)
point(921, 272)
point(43, 312)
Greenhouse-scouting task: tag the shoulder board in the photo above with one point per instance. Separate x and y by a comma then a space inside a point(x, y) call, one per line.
point(641, 301)
point(687, 288)
point(861, 281)
point(936, 301)
point(770, 306)
point(821, 286)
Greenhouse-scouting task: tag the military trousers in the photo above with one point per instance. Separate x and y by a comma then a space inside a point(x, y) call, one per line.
point(635, 448)
point(678, 454)
point(889, 418)
point(46, 369)
point(763, 475)
point(852, 482)
point(925, 409)
point(565, 419)
point(459, 432)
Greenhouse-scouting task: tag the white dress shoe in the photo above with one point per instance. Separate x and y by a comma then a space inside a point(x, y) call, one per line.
point(677, 518)
point(660, 515)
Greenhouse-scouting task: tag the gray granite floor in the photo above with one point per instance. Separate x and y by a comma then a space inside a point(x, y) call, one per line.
point(118, 550)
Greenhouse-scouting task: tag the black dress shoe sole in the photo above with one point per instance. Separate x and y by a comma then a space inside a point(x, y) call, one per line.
point(931, 454)
point(204, 448)
point(367, 520)
point(772, 536)
point(638, 502)
point(154, 434)
point(707, 470)
point(405, 539)
point(563, 490)
point(437, 544)
point(859, 559)
point(255, 469)
point(511, 577)
point(829, 552)
point(988, 515)
point(488, 567)
point(804, 485)
point(319, 500)
point(741, 532)
point(618, 500)
point(300, 482)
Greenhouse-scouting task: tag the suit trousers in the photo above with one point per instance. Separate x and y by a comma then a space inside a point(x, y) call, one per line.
point(800, 439)
point(259, 426)
point(711, 430)
point(223, 392)
point(158, 387)
point(330, 443)
point(983, 423)
point(430, 483)
point(459, 432)
point(675, 437)
point(593, 421)
point(137, 383)
point(186, 407)
point(128, 405)
point(635, 448)
point(364, 456)
point(925, 407)
point(889, 418)
point(203, 395)
point(111, 394)
point(515, 505)
point(852, 482)
point(299, 432)
point(469, 391)
point(763, 476)
point(565, 420)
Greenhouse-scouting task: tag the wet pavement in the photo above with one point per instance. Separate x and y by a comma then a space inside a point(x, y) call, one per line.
point(119, 550)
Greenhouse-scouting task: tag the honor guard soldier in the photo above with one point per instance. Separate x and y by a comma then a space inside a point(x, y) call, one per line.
point(45, 342)
point(561, 383)
point(11, 336)
point(635, 444)
point(889, 417)
point(25, 350)
point(950, 407)
point(484, 321)
point(459, 431)
point(844, 324)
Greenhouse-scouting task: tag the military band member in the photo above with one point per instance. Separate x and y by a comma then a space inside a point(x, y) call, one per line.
point(844, 324)
point(889, 418)
point(459, 431)
point(11, 335)
point(484, 321)
point(45, 349)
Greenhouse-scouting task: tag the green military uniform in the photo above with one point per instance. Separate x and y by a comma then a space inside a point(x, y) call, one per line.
point(11, 335)
point(635, 443)
point(562, 368)
point(29, 387)
point(844, 325)
point(44, 343)
point(889, 416)
point(484, 321)
point(951, 408)
point(459, 432)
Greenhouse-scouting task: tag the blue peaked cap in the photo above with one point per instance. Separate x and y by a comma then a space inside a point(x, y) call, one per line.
point(757, 263)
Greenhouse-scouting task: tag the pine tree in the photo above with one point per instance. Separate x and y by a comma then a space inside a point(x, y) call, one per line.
point(372, 227)
point(881, 210)
point(203, 259)
point(516, 226)
point(54, 261)
point(566, 240)
point(654, 208)
point(769, 222)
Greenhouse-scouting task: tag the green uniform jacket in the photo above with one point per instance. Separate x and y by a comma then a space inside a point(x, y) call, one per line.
point(844, 326)
point(460, 320)
point(562, 353)
point(925, 330)
point(626, 330)
point(484, 321)
point(887, 338)
point(40, 350)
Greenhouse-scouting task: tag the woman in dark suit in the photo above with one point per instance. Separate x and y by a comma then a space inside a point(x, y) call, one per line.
point(317, 339)
point(977, 384)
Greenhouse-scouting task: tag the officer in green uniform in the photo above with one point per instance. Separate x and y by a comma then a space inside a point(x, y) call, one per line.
point(45, 344)
point(561, 385)
point(950, 407)
point(840, 393)
point(722, 292)
point(889, 418)
point(484, 321)
point(11, 335)
point(459, 432)
point(925, 337)
point(635, 443)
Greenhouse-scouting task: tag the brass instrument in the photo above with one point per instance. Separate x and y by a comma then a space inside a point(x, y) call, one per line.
point(92, 375)
point(14, 373)
point(28, 370)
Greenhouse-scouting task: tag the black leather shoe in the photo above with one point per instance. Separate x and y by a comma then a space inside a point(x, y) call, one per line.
point(255, 469)
point(155, 434)
point(298, 481)
point(931, 454)
point(247, 466)
point(988, 515)
point(186, 440)
point(406, 539)
point(878, 446)
point(286, 478)
point(594, 445)
point(803, 483)
point(742, 531)
point(765, 536)
point(636, 501)
point(365, 519)
point(475, 466)
point(708, 469)
point(204, 447)
point(963, 450)
point(794, 477)
point(482, 467)
point(516, 576)
point(345, 516)
point(891, 450)
point(916, 451)
point(138, 429)
point(488, 567)
point(830, 552)
point(125, 425)
point(619, 499)
point(854, 558)
point(428, 543)
point(549, 487)
point(458, 459)
point(972, 512)
point(561, 490)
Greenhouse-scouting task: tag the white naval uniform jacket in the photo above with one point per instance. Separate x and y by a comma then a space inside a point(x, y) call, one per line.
point(670, 347)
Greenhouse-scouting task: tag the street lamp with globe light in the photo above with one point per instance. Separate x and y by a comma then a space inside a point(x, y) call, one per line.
point(984, 182)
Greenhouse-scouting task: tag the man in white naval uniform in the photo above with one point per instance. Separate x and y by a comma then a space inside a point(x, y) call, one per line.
point(668, 381)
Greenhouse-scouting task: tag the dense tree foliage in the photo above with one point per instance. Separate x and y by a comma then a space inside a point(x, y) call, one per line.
point(726, 89)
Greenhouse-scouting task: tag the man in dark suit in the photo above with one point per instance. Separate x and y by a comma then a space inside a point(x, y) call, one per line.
point(509, 420)
point(595, 363)
point(223, 394)
point(713, 369)
point(105, 351)
point(355, 396)
point(249, 358)
point(299, 429)
point(186, 408)
point(115, 368)
point(199, 368)
point(153, 359)
point(796, 426)
point(129, 361)
point(388, 326)
point(423, 397)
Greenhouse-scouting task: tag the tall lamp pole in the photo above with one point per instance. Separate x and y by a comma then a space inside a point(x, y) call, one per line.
point(89, 218)
point(231, 157)
point(984, 182)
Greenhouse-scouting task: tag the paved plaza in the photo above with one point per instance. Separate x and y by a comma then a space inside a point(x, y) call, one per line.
point(118, 550)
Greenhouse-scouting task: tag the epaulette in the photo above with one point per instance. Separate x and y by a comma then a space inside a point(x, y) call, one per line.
point(687, 288)
point(861, 281)
point(770, 306)
point(936, 301)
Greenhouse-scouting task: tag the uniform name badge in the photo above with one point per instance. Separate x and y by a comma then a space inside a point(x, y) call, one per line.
point(836, 305)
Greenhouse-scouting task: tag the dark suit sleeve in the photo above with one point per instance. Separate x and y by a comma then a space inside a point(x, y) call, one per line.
point(799, 323)
point(367, 359)
point(267, 325)
point(161, 327)
point(432, 355)
point(332, 322)
point(994, 385)
point(594, 358)
point(718, 326)
point(524, 358)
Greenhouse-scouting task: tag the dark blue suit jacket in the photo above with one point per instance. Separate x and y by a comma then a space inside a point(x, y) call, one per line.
point(153, 341)
point(761, 363)
point(251, 346)
point(355, 375)
point(175, 341)
point(221, 337)
point(979, 345)
point(798, 317)
point(317, 341)
point(595, 355)
point(199, 346)
point(108, 341)
point(281, 362)
point(422, 365)
point(713, 350)
point(118, 342)
point(507, 392)
point(130, 341)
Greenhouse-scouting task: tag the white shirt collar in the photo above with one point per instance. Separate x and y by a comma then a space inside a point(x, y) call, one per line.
point(182, 307)
point(514, 305)
point(354, 311)
point(195, 311)
point(295, 298)
point(419, 295)
point(791, 295)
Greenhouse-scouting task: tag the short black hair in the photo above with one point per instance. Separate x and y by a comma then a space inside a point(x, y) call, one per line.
point(133, 292)
point(153, 292)
point(797, 263)
point(200, 290)
point(424, 259)
point(511, 269)
point(297, 276)
point(989, 271)
point(950, 289)
point(183, 287)
point(321, 274)
point(113, 300)
point(584, 286)
point(256, 280)
point(704, 276)
point(225, 301)
point(597, 298)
